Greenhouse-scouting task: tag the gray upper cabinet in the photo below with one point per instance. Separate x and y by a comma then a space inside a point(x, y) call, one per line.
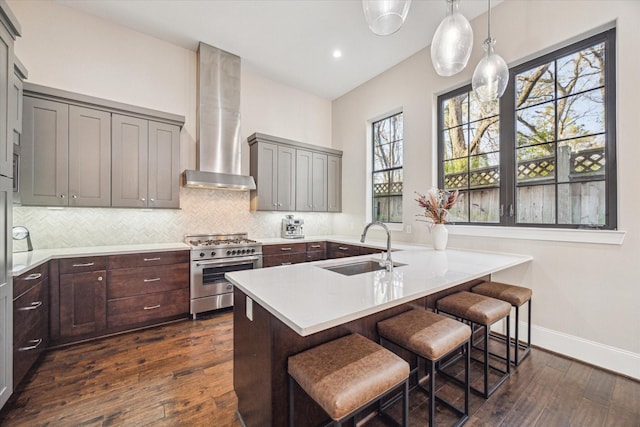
point(311, 181)
point(273, 166)
point(130, 147)
point(89, 157)
point(164, 165)
point(334, 183)
point(44, 176)
point(65, 155)
point(6, 123)
point(77, 150)
point(146, 169)
point(294, 176)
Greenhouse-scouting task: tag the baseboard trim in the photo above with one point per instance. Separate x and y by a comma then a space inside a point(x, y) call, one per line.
point(604, 356)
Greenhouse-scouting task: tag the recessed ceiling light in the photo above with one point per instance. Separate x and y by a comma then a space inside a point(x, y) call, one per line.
point(337, 53)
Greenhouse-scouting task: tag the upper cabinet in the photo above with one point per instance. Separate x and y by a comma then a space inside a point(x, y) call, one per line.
point(81, 151)
point(334, 183)
point(273, 166)
point(294, 176)
point(65, 155)
point(146, 169)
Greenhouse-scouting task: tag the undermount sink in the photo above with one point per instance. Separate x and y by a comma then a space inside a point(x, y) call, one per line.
point(358, 267)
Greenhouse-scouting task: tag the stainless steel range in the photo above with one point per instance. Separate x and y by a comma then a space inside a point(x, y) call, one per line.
point(213, 255)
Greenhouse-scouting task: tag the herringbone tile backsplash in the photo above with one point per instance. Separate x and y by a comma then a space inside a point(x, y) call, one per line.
point(202, 211)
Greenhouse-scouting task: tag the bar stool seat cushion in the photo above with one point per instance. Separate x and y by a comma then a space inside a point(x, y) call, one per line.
point(514, 295)
point(475, 307)
point(344, 374)
point(427, 334)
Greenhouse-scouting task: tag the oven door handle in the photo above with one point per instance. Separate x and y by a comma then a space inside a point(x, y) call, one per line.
point(228, 261)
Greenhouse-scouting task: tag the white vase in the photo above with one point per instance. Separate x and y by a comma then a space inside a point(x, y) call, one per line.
point(439, 237)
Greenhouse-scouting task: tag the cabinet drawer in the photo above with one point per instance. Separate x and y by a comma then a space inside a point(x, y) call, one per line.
point(316, 246)
point(316, 256)
point(284, 249)
point(139, 309)
point(29, 310)
point(339, 250)
point(79, 265)
point(273, 260)
point(365, 250)
point(128, 282)
point(148, 259)
point(27, 350)
point(30, 278)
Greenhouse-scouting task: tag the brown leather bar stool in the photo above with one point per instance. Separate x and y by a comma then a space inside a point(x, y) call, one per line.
point(483, 311)
point(431, 337)
point(517, 296)
point(347, 374)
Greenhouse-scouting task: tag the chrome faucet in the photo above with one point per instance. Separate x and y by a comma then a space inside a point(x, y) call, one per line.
point(386, 263)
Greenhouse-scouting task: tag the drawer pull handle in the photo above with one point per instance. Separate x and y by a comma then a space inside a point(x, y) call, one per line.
point(35, 345)
point(33, 276)
point(286, 263)
point(155, 279)
point(315, 246)
point(342, 248)
point(87, 264)
point(285, 249)
point(33, 306)
point(152, 259)
point(153, 307)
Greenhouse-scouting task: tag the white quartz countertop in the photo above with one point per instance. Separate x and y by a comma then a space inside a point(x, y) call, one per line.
point(23, 261)
point(370, 241)
point(310, 299)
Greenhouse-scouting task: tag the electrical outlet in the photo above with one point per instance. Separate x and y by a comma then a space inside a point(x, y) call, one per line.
point(249, 309)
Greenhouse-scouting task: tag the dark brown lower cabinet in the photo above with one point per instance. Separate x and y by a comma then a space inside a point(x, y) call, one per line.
point(83, 303)
point(30, 320)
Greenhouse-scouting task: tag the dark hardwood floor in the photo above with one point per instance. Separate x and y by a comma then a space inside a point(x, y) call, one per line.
point(181, 375)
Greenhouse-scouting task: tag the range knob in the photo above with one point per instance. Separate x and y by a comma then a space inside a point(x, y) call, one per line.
point(228, 252)
point(233, 252)
point(244, 251)
point(213, 253)
point(201, 254)
point(253, 250)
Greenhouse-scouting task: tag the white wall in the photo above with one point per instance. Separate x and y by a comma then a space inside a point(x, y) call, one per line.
point(586, 296)
point(70, 50)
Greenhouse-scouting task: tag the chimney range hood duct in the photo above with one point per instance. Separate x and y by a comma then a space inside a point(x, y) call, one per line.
point(218, 143)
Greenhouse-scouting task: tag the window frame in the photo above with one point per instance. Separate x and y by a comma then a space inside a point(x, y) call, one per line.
point(373, 170)
point(507, 117)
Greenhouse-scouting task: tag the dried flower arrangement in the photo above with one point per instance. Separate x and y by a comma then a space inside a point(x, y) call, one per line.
point(436, 204)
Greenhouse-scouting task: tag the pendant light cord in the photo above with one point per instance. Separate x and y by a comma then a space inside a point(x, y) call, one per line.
point(489, 21)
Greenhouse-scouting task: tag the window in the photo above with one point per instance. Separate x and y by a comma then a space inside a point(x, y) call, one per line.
point(387, 141)
point(545, 154)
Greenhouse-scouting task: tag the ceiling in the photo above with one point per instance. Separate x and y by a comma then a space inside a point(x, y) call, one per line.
point(290, 41)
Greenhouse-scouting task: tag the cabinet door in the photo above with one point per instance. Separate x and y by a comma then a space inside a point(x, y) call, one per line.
point(6, 113)
point(267, 177)
point(304, 180)
point(164, 165)
point(83, 303)
point(286, 179)
point(89, 157)
point(15, 108)
point(129, 144)
point(334, 183)
point(319, 182)
point(6, 293)
point(44, 153)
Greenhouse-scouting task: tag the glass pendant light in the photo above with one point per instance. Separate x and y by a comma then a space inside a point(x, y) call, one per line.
point(385, 17)
point(452, 42)
point(491, 75)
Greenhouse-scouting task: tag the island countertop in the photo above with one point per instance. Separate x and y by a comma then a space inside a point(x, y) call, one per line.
point(309, 299)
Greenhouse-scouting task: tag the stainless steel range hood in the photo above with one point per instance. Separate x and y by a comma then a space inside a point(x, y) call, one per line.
point(218, 144)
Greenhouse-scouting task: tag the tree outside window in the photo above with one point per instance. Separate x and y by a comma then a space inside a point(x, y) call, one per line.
point(387, 179)
point(545, 156)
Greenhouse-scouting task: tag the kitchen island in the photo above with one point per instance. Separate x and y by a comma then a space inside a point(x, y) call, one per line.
point(281, 311)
